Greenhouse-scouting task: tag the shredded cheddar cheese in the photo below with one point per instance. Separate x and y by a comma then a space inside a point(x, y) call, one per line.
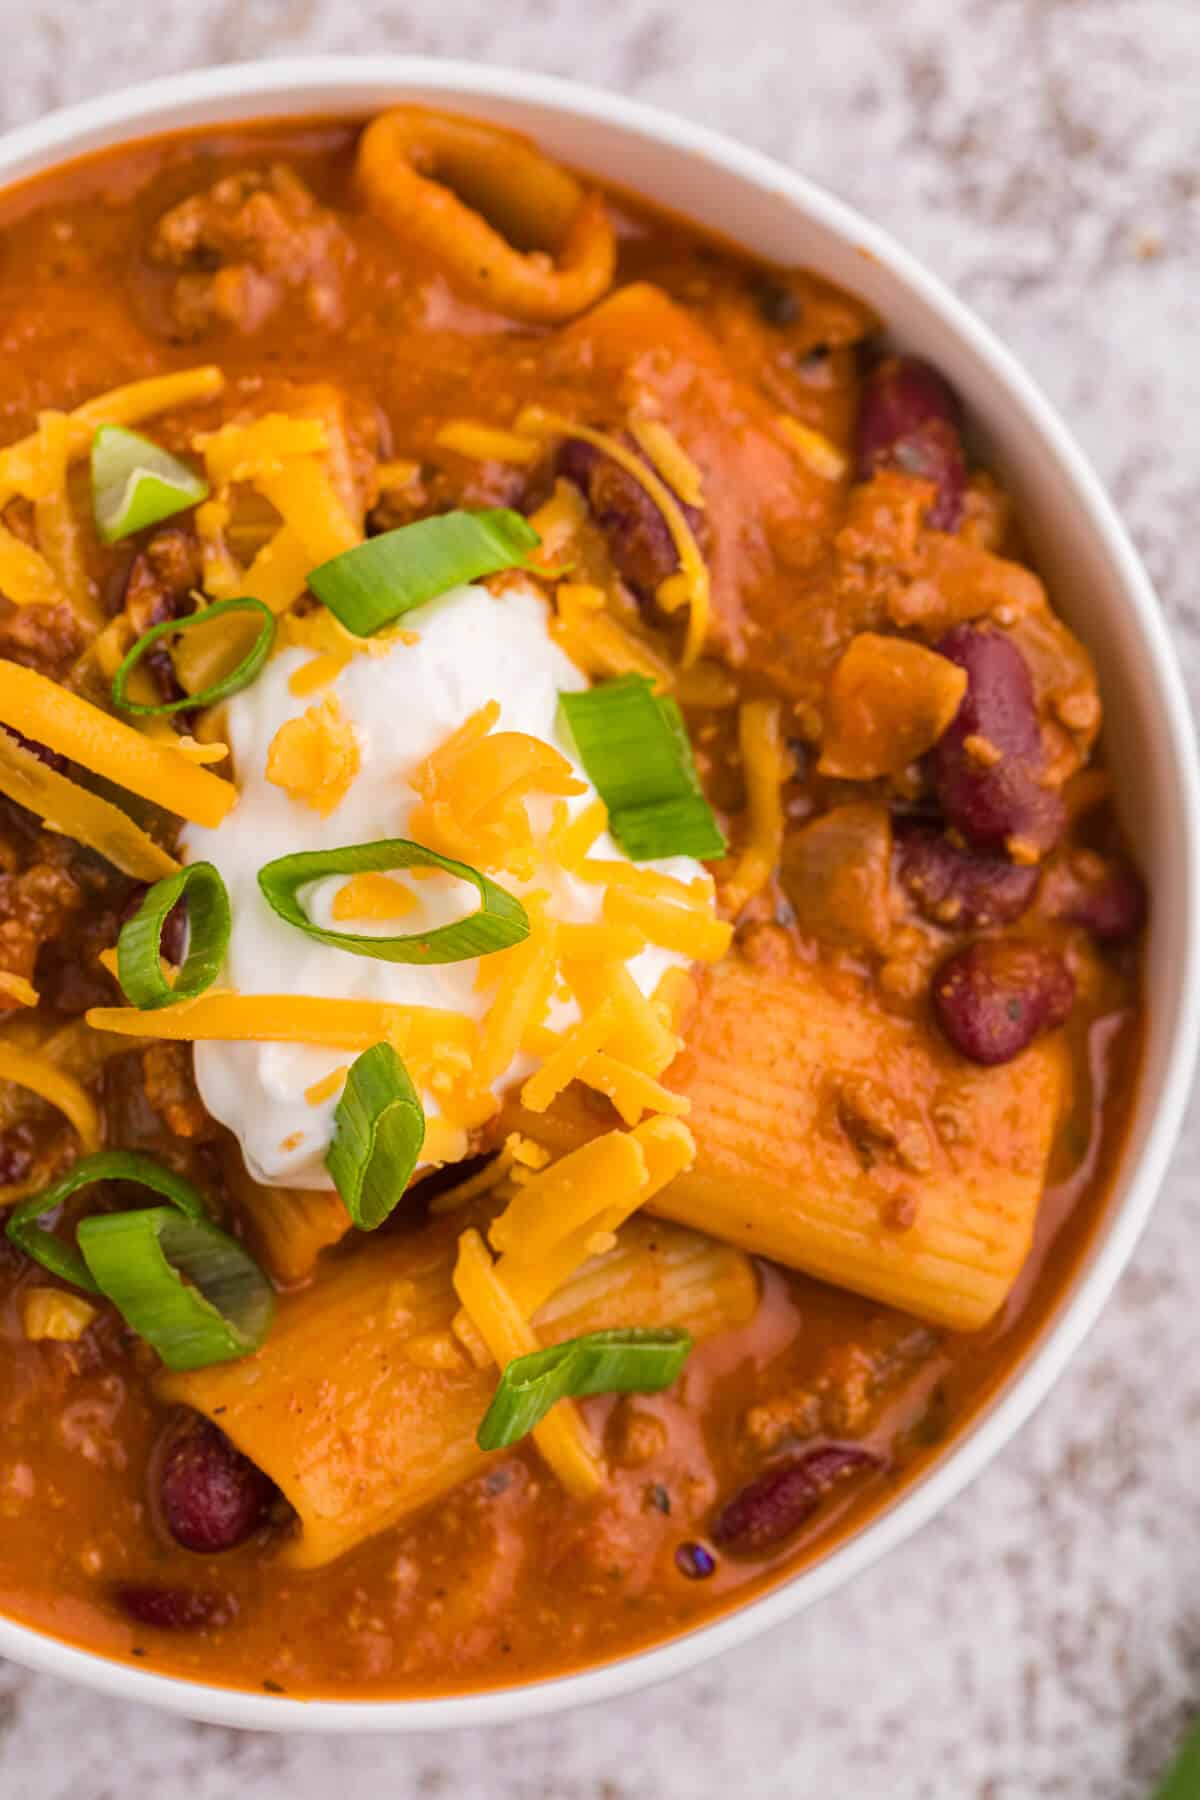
point(765, 770)
point(544, 1232)
point(562, 1437)
point(558, 519)
point(564, 1064)
point(45, 711)
point(76, 812)
point(36, 1072)
point(327, 1087)
point(672, 461)
point(291, 1019)
point(58, 531)
point(18, 988)
point(488, 443)
point(316, 757)
point(22, 469)
point(371, 895)
point(475, 787)
point(258, 447)
point(596, 642)
point(26, 578)
point(693, 571)
point(813, 448)
point(680, 928)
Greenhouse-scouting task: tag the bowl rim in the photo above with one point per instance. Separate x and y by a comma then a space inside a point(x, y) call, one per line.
point(62, 136)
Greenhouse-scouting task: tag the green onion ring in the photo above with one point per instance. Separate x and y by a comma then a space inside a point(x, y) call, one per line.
point(635, 1359)
point(134, 1259)
point(500, 922)
point(232, 683)
point(138, 1260)
point(378, 1131)
point(139, 947)
point(103, 1165)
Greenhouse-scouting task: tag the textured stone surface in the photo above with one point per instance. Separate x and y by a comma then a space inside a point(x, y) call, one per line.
point(1043, 1636)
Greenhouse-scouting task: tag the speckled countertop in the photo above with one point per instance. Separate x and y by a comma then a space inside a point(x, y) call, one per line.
point(1042, 1637)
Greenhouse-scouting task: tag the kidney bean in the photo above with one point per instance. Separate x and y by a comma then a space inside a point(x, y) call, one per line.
point(988, 766)
point(639, 542)
point(173, 1608)
point(992, 998)
point(212, 1497)
point(909, 418)
point(960, 888)
point(784, 1496)
point(1110, 902)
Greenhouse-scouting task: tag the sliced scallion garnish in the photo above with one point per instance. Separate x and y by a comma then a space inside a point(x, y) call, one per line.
point(378, 581)
point(135, 483)
point(135, 1259)
point(138, 1260)
point(103, 1165)
point(632, 1360)
point(210, 921)
point(237, 678)
point(634, 746)
point(500, 921)
point(378, 1131)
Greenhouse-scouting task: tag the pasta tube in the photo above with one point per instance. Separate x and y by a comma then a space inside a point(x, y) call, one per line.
point(362, 1406)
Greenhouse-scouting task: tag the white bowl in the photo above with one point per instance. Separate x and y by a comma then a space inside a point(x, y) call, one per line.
point(1097, 581)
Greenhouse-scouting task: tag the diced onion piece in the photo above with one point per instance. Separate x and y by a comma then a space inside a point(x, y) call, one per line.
point(378, 1131)
point(499, 922)
point(45, 711)
point(631, 1360)
point(238, 677)
point(139, 947)
point(135, 483)
point(634, 745)
point(378, 581)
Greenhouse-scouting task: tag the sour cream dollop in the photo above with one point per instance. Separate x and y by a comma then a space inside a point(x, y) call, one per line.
point(471, 647)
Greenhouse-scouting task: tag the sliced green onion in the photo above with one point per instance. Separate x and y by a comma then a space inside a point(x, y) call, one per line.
point(500, 921)
point(188, 1288)
point(378, 581)
point(136, 1260)
point(104, 1165)
point(633, 1360)
point(634, 745)
point(135, 483)
point(237, 678)
point(378, 1131)
point(139, 947)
